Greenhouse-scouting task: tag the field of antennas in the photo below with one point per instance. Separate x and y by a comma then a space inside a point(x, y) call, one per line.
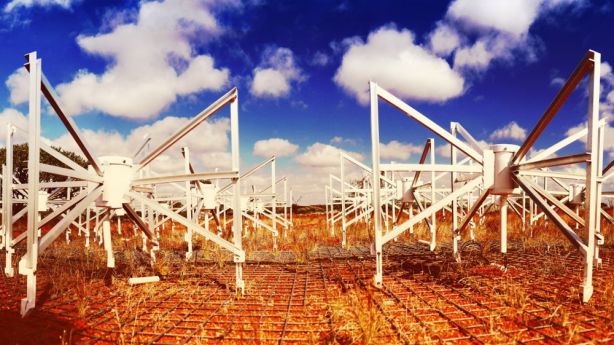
point(493, 246)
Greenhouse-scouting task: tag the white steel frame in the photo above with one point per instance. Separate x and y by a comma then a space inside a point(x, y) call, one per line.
point(520, 168)
point(77, 205)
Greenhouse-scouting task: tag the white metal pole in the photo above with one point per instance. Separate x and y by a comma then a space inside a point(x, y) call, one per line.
point(455, 237)
point(108, 243)
point(291, 207)
point(343, 201)
point(188, 202)
point(7, 201)
point(236, 212)
point(88, 220)
point(503, 220)
point(599, 148)
point(286, 203)
point(592, 200)
point(433, 242)
point(67, 232)
point(28, 263)
point(274, 204)
point(375, 157)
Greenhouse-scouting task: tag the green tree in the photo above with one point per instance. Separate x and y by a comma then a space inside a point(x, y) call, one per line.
point(20, 162)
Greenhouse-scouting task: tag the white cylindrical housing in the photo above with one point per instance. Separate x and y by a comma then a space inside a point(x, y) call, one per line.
point(244, 202)
point(408, 196)
point(43, 198)
point(503, 183)
point(576, 196)
point(209, 194)
point(118, 175)
point(399, 189)
point(259, 207)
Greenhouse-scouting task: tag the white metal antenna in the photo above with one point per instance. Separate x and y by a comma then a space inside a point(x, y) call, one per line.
point(112, 183)
point(502, 170)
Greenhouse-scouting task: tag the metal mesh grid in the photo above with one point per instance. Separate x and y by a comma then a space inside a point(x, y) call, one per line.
point(426, 298)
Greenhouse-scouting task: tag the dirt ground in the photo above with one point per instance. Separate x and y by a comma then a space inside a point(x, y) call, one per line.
point(327, 298)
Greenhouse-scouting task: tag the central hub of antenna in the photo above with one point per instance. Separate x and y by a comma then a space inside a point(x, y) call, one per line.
point(118, 174)
point(497, 172)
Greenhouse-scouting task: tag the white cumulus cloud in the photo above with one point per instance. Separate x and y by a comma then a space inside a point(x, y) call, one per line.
point(323, 155)
point(510, 131)
point(15, 4)
point(396, 150)
point(17, 119)
point(152, 60)
point(511, 16)
point(392, 59)
point(501, 28)
point(608, 145)
point(444, 40)
point(208, 143)
point(273, 78)
point(274, 146)
point(17, 83)
point(477, 56)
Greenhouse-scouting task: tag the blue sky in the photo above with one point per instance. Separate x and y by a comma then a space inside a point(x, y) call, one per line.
point(125, 68)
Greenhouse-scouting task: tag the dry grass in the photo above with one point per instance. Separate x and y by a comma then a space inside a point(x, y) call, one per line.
point(359, 320)
point(75, 271)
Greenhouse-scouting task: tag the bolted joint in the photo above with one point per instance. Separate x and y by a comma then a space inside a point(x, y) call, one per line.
point(239, 258)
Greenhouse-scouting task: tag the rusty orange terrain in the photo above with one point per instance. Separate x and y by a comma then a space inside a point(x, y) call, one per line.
point(323, 296)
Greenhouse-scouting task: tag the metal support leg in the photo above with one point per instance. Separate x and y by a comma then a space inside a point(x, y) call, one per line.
point(592, 199)
point(377, 210)
point(88, 220)
point(28, 263)
point(7, 209)
point(237, 221)
point(455, 236)
point(108, 243)
point(433, 228)
point(411, 214)
point(343, 201)
point(503, 220)
point(188, 202)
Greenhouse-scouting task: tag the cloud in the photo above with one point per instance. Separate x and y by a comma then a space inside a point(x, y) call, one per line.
point(273, 78)
point(533, 152)
point(513, 17)
point(17, 119)
point(606, 109)
point(152, 60)
point(320, 59)
point(392, 59)
point(444, 150)
point(557, 82)
point(510, 131)
point(608, 145)
point(444, 40)
point(17, 83)
point(606, 73)
point(320, 155)
point(501, 29)
point(317, 162)
point(274, 146)
point(14, 4)
point(396, 150)
point(336, 140)
point(208, 143)
point(477, 56)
